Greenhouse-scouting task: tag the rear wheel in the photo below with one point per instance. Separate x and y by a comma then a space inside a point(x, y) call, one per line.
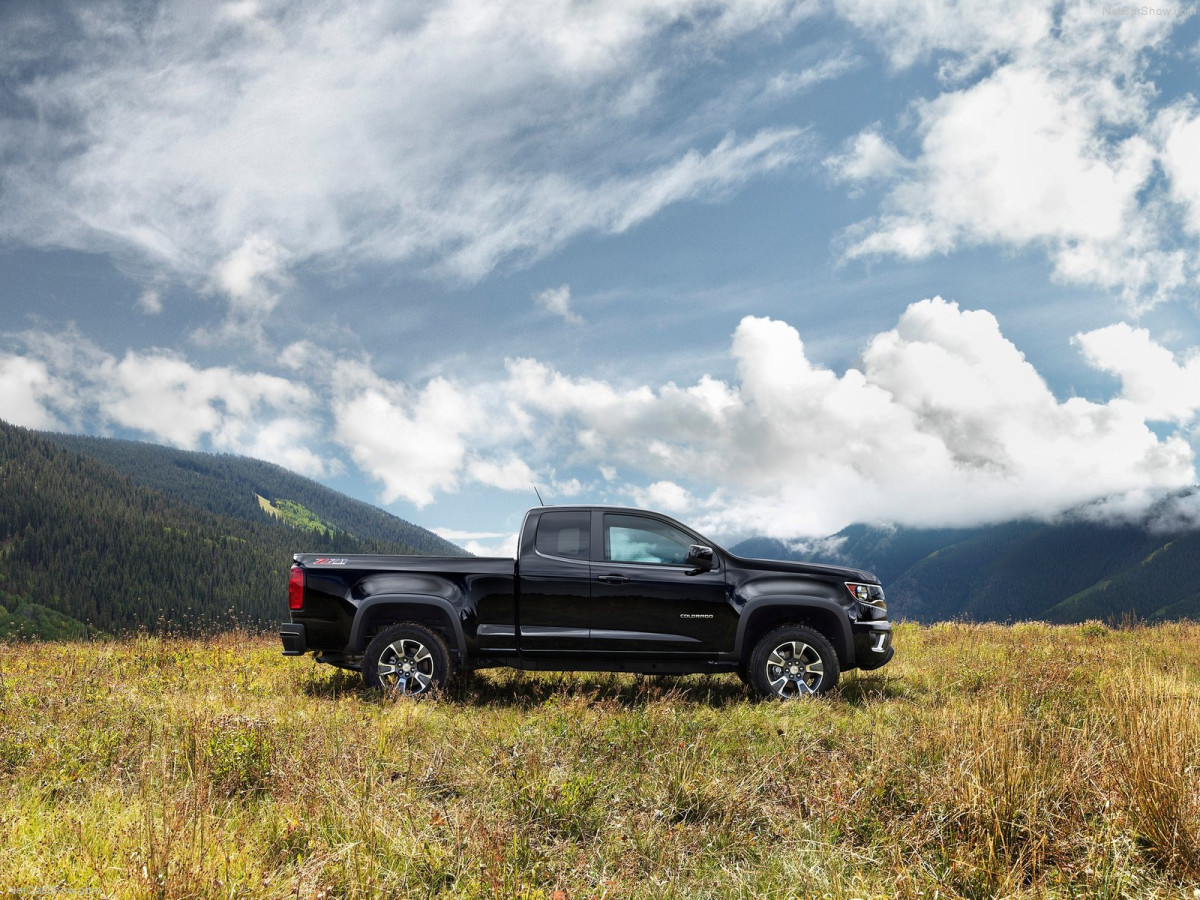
point(793, 661)
point(408, 659)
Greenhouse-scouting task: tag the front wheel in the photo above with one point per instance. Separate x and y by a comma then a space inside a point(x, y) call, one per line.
point(408, 659)
point(793, 661)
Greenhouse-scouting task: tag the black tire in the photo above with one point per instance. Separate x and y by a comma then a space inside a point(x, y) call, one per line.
point(409, 660)
point(793, 661)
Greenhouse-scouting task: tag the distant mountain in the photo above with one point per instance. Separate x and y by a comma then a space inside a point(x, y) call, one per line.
point(231, 485)
point(888, 552)
point(1062, 572)
point(111, 536)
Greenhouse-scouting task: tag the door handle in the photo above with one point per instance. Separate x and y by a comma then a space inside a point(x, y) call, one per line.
point(612, 579)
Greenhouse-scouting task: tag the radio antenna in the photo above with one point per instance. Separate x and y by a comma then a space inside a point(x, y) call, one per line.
point(541, 502)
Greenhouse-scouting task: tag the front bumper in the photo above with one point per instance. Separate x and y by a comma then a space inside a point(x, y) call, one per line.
point(873, 644)
point(295, 641)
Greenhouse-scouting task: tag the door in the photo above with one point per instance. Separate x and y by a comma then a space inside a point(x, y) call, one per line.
point(643, 599)
point(555, 583)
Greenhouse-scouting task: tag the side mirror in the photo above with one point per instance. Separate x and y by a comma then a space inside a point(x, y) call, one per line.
point(700, 558)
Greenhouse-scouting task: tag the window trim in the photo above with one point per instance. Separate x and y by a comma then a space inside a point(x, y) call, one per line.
point(568, 559)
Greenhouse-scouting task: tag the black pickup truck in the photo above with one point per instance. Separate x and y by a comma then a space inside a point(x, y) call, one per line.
point(592, 588)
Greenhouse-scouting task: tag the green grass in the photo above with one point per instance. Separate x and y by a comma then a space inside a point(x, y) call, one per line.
point(21, 620)
point(985, 761)
point(295, 514)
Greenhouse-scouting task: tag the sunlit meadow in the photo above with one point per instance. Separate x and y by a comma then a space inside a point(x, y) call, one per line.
point(985, 761)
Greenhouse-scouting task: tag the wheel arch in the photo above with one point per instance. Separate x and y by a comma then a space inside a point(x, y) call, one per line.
point(383, 610)
point(823, 615)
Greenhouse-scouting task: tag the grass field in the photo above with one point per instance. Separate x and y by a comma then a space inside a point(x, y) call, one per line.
point(985, 761)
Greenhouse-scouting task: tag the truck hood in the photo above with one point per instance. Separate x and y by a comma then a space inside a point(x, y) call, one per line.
point(803, 568)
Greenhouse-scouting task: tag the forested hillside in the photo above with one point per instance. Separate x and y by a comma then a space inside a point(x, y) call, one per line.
point(85, 547)
point(1069, 571)
point(227, 485)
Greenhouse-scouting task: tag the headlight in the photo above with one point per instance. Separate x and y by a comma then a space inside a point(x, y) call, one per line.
point(871, 594)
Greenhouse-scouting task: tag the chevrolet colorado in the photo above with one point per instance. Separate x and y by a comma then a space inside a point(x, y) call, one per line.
point(592, 588)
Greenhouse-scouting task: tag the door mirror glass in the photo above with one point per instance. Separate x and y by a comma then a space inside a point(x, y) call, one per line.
point(700, 558)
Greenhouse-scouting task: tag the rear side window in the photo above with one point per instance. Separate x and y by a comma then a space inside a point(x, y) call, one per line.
point(564, 533)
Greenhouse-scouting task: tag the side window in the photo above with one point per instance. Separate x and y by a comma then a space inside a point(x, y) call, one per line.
point(639, 539)
point(564, 533)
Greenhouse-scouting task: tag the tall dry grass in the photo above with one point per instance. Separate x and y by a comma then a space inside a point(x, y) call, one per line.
point(1028, 761)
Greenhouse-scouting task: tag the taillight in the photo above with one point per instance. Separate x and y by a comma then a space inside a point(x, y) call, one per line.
point(296, 588)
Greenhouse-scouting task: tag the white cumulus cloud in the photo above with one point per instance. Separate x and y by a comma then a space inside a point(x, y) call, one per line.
point(866, 157)
point(1045, 136)
point(24, 388)
point(251, 278)
point(412, 440)
point(1162, 388)
point(162, 396)
point(510, 475)
point(944, 421)
point(666, 496)
point(1180, 130)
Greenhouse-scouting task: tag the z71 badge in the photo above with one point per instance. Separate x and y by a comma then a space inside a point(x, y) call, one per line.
point(328, 561)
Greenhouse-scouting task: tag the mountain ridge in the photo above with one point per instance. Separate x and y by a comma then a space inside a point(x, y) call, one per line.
point(93, 546)
point(228, 484)
point(1071, 570)
point(105, 535)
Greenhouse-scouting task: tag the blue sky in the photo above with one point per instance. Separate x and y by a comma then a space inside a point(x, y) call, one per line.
point(771, 267)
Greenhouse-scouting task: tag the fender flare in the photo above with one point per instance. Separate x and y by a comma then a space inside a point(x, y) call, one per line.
point(842, 639)
point(358, 636)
